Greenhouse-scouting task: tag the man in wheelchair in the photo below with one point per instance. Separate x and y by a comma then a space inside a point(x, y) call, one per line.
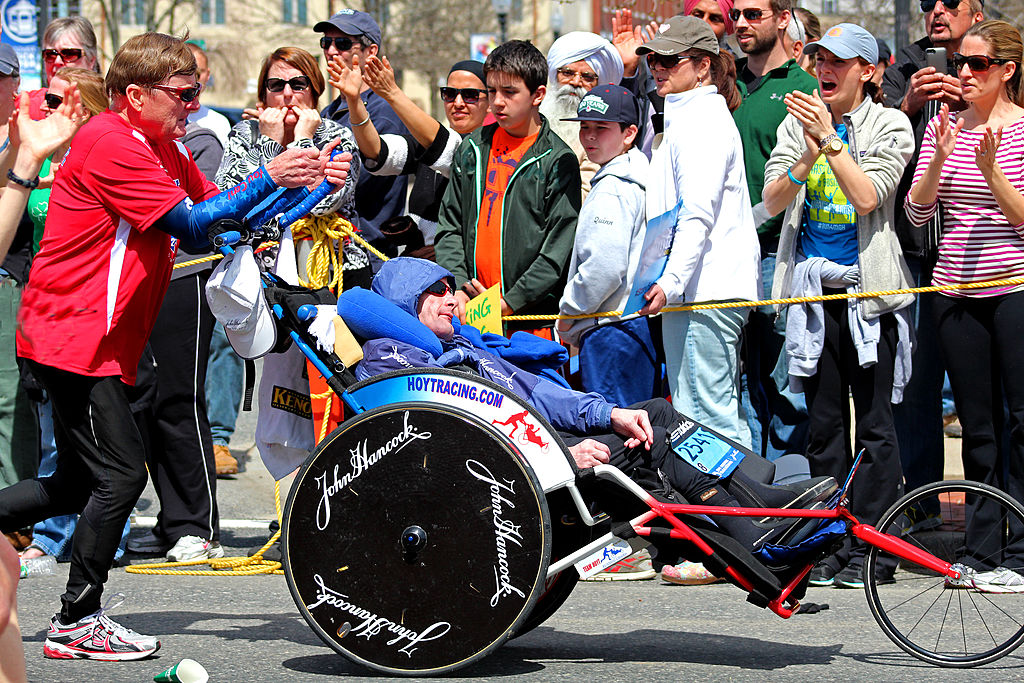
point(635, 439)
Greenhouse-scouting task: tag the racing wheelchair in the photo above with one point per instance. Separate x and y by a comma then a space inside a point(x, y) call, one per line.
point(446, 516)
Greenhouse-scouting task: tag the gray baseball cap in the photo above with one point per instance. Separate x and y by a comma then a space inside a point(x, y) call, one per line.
point(847, 41)
point(8, 60)
point(679, 34)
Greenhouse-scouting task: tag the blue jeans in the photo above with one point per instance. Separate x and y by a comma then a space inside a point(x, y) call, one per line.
point(618, 361)
point(776, 416)
point(224, 379)
point(702, 357)
point(53, 535)
point(918, 418)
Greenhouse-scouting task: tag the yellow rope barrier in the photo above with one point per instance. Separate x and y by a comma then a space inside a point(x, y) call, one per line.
point(222, 566)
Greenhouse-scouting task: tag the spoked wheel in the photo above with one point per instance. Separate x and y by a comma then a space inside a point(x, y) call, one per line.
point(962, 522)
point(417, 540)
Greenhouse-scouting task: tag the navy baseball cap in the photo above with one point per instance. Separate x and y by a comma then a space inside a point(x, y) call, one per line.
point(608, 103)
point(352, 22)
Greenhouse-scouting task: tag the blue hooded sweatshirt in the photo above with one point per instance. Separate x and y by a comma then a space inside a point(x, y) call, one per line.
point(402, 281)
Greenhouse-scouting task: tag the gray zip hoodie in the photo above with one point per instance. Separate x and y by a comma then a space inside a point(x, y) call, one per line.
point(609, 240)
point(882, 142)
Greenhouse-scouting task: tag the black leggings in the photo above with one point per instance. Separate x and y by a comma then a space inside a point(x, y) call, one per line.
point(980, 339)
point(101, 472)
point(696, 486)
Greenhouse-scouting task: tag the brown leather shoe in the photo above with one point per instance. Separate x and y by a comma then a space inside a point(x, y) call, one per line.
point(20, 539)
point(226, 463)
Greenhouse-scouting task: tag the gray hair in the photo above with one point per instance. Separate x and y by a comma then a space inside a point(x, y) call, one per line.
point(80, 28)
point(795, 30)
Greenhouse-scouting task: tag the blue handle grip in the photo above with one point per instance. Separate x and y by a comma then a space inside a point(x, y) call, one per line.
point(306, 205)
point(227, 238)
point(306, 312)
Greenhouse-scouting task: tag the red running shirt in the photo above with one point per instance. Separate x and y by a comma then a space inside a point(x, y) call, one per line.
point(99, 278)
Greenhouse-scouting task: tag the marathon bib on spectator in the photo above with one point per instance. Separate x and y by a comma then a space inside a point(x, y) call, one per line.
point(704, 450)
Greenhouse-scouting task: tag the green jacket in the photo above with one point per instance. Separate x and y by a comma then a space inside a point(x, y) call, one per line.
point(758, 119)
point(538, 222)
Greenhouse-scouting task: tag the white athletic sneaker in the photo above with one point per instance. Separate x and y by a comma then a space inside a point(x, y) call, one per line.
point(999, 580)
point(194, 548)
point(97, 636)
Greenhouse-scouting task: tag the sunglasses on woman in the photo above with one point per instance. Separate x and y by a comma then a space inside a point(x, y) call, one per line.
point(341, 43)
point(929, 5)
point(976, 62)
point(439, 288)
point(665, 61)
point(748, 14)
point(469, 95)
point(52, 101)
point(68, 54)
point(186, 94)
point(297, 84)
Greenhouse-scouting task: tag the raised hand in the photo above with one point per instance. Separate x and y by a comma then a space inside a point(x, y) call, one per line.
point(348, 80)
point(945, 137)
point(379, 75)
point(811, 112)
point(985, 152)
point(626, 38)
point(35, 141)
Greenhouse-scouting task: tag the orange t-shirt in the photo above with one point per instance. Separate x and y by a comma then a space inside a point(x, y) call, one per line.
point(506, 153)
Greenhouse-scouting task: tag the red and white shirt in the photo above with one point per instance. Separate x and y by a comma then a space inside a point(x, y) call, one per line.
point(99, 278)
point(978, 243)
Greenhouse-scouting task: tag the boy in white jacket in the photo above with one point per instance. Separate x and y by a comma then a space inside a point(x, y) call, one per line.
point(617, 357)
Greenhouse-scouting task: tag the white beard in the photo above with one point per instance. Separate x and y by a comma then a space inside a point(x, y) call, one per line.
point(561, 102)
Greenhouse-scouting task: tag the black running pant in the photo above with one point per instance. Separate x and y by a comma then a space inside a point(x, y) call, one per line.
point(101, 472)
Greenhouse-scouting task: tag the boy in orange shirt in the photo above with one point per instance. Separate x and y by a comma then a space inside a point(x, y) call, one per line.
point(509, 214)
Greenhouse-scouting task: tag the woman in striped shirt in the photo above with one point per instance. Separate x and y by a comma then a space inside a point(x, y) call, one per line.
point(972, 163)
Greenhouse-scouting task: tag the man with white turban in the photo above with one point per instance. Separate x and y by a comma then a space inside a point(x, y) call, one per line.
point(576, 63)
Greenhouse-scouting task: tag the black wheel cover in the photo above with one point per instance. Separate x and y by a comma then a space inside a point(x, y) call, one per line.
point(417, 540)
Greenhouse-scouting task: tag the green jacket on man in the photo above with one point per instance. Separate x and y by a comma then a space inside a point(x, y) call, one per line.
point(538, 222)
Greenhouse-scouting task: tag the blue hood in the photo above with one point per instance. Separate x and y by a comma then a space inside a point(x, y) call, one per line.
point(401, 280)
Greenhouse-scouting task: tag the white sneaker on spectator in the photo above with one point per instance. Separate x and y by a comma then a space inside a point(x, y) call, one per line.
point(999, 580)
point(194, 548)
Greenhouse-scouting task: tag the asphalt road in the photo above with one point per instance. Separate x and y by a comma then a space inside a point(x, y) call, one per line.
point(247, 629)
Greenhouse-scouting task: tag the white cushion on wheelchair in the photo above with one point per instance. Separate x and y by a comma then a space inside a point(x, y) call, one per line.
point(371, 316)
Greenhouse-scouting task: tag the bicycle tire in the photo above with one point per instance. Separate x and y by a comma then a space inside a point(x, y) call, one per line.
point(930, 518)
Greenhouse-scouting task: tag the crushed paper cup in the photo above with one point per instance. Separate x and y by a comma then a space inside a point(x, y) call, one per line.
point(185, 671)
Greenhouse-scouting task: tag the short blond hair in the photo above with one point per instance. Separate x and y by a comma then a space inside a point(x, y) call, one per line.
point(90, 86)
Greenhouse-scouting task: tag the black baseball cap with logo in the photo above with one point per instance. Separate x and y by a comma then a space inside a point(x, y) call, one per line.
point(608, 103)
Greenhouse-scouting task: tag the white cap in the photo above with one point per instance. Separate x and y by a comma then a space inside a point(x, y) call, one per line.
point(235, 294)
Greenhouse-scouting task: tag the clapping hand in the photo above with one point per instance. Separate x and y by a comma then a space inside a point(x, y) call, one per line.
point(945, 137)
point(379, 75)
point(626, 38)
point(347, 79)
point(812, 114)
point(985, 152)
point(35, 141)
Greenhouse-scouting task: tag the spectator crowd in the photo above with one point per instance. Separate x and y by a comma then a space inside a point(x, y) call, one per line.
point(739, 151)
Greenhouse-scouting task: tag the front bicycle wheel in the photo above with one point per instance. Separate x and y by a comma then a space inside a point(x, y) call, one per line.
point(944, 622)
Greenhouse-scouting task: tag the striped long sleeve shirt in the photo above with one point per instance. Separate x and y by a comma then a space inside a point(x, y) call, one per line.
point(978, 243)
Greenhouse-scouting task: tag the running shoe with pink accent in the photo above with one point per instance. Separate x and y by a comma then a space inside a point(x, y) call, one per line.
point(97, 636)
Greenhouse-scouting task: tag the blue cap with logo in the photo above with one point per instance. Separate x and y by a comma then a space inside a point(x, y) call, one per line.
point(352, 22)
point(608, 103)
point(847, 41)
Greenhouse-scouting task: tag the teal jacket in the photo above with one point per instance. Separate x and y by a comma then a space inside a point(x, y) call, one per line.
point(538, 222)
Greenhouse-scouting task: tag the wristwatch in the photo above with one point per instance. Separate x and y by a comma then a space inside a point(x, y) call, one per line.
point(830, 144)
